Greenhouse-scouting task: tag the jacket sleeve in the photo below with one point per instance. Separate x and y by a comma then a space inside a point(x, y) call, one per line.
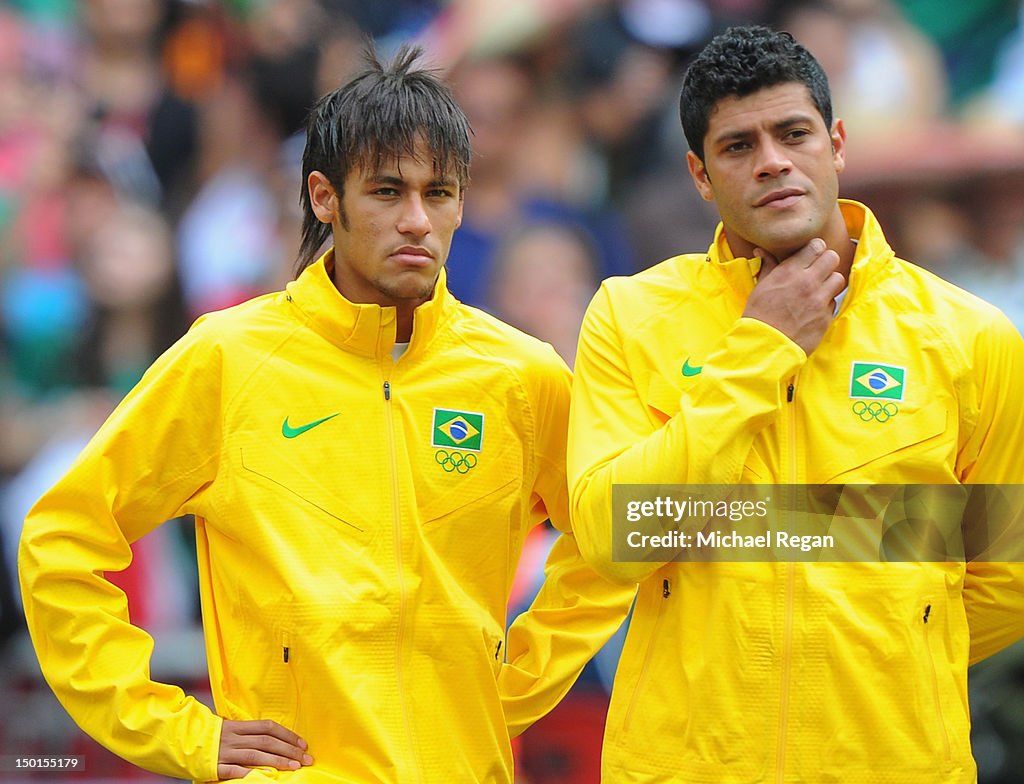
point(576, 610)
point(613, 438)
point(145, 465)
point(993, 455)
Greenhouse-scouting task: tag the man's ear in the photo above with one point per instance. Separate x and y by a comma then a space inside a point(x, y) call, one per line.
point(699, 173)
point(838, 135)
point(322, 197)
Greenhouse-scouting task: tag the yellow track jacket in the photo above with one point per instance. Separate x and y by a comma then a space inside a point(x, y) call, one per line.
point(795, 672)
point(359, 523)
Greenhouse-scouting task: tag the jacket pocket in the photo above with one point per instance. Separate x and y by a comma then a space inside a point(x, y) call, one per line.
point(880, 634)
point(476, 535)
point(700, 657)
point(302, 483)
point(934, 658)
point(291, 663)
point(462, 500)
point(907, 448)
point(264, 679)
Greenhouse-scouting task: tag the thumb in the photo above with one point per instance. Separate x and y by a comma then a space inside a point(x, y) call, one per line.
point(768, 263)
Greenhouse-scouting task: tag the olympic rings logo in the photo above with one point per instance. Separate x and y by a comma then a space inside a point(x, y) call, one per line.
point(455, 461)
point(880, 412)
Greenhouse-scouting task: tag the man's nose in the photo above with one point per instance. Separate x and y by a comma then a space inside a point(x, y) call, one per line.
point(414, 219)
point(773, 161)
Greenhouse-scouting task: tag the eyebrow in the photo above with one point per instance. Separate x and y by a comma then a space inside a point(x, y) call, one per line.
point(390, 179)
point(781, 125)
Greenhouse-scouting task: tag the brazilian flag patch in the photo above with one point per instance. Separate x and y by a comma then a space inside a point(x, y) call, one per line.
point(872, 381)
point(457, 430)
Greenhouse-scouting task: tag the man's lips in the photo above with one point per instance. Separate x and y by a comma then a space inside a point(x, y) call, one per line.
point(413, 256)
point(784, 197)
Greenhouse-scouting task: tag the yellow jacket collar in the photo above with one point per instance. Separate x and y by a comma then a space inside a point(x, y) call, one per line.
point(363, 329)
point(863, 227)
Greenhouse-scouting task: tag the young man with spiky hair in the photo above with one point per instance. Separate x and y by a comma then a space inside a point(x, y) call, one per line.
point(364, 457)
point(798, 350)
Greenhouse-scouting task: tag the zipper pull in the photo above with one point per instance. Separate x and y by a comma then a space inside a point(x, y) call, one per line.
point(497, 650)
point(790, 391)
point(666, 588)
point(387, 390)
point(927, 612)
point(285, 654)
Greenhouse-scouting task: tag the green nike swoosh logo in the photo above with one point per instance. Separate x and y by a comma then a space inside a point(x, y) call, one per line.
point(290, 432)
point(690, 370)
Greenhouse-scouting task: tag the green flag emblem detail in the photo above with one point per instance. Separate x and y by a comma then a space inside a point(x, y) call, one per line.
point(872, 381)
point(457, 429)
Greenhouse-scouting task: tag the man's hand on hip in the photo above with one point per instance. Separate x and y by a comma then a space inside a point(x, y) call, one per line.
point(262, 743)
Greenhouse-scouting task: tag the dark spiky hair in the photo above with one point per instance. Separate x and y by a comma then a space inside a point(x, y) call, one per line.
point(739, 62)
point(377, 117)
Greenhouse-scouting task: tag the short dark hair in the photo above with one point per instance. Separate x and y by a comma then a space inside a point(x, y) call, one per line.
point(378, 116)
point(739, 62)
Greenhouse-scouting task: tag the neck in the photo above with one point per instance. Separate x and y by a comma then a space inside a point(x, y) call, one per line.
point(403, 323)
point(834, 232)
point(837, 237)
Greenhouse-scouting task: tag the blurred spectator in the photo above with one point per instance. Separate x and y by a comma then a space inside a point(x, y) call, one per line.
point(136, 308)
point(134, 312)
point(284, 39)
point(145, 133)
point(618, 85)
point(1003, 99)
point(664, 217)
point(884, 73)
point(234, 232)
point(227, 234)
point(544, 276)
point(968, 34)
point(41, 301)
point(191, 107)
point(996, 689)
point(937, 231)
point(42, 311)
point(507, 178)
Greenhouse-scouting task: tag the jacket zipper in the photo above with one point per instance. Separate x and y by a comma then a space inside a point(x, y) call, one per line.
point(787, 628)
point(397, 532)
point(787, 670)
point(935, 681)
point(641, 681)
point(790, 411)
point(287, 653)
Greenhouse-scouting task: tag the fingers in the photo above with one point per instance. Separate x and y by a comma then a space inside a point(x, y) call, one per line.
point(245, 760)
point(810, 253)
point(259, 744)
point(835, 283)
point(228, 772)
point(797, 296)
point(815, 255)
point(265, 727)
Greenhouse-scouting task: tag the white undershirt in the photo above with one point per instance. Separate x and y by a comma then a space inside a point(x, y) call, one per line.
point(839, 300)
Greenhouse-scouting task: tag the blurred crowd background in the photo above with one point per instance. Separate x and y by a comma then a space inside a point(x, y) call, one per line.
point(149, 172)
